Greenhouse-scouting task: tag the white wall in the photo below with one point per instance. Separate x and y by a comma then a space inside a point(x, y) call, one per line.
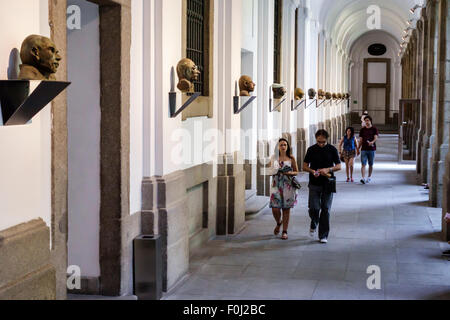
point(83, 120)
point(25, 165)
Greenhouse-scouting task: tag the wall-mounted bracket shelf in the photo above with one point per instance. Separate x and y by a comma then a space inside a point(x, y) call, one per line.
point(21, 100)
point(321, 102)
point(240, 103)
point(277, 103)
point(187, 98)
point(297, 104)
point(309, 104)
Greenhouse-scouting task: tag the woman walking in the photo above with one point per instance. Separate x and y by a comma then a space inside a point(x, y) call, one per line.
point(351, 150)
point(283, 191)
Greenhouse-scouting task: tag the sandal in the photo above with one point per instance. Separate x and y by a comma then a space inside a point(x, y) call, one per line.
point(284, 236)
point(276, 231)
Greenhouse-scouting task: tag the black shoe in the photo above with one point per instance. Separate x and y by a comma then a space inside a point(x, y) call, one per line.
point(446, 253)
point(363, 181)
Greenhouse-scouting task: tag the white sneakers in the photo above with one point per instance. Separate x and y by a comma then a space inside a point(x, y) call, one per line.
point(312, 233)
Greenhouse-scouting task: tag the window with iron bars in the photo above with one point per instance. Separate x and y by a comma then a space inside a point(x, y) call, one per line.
point(197, 41)
point(277, 41)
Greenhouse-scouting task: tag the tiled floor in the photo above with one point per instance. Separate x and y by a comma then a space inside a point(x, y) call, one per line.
point(385, 223)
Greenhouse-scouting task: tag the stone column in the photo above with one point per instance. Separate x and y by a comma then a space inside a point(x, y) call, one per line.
point(230, 194)
point(420, 81)
point(165, 213)
point(440, 146)
point(263, 180)
point(431, 88)
point(424, 138)
point(443, 129)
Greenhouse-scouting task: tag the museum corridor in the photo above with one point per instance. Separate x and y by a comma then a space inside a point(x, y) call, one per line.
point(386, 223)
point(137, 137)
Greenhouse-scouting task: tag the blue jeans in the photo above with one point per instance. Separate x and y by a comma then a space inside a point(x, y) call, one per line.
point(319, 204)
point(367, 156)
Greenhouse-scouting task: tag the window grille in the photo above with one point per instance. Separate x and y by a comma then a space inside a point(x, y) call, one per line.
point(195, 44)
point(277, 41)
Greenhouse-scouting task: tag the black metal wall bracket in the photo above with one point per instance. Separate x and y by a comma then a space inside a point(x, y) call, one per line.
point(297, 104)
point(173, 112)
point(240, 103)
point(20, 103)
point(321, 102)
point(312, 101)
point(277, 102)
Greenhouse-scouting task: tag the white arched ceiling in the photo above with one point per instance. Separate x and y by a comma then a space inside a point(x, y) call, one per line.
point(345, 21)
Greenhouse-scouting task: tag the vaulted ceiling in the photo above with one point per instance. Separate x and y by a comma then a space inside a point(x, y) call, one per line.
point(346, 20)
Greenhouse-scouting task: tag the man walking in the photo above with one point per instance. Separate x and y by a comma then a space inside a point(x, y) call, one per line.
point(321, 160)
point(368, 137)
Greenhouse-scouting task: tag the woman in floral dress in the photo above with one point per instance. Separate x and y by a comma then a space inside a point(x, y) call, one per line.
point(283, 195)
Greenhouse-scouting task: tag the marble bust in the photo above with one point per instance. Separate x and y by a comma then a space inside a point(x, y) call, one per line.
point(246, 86)
point(187, 73)
point(40, 59)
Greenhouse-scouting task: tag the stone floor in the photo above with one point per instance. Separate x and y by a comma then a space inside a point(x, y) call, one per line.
point(386, 223)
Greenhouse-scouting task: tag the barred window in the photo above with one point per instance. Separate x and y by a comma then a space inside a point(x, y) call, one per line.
point(277, 41)
point(197, 40)
point(296, 49)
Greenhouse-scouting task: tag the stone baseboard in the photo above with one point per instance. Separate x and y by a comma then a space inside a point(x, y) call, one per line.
point(26, 272)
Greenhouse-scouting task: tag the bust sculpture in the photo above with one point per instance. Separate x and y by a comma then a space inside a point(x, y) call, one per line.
point(298, 94)
point(278, 91)
point(40, 59)
point(246, 86)
point(311, 93)
point(187, 73)
point(321, 94)
point(328, 95)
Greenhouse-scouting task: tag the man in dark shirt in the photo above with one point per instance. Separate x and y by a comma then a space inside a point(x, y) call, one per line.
point(321, 160)
point(368, 137)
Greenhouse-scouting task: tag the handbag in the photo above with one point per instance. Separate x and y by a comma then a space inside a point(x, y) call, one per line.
point(293, 180)
point(330, 186)
point(295, 183)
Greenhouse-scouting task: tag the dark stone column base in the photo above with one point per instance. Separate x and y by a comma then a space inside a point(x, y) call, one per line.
point(164, 205)
point(301, 147)
point(26, 272)
point(230, 194)
point(262, 180)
